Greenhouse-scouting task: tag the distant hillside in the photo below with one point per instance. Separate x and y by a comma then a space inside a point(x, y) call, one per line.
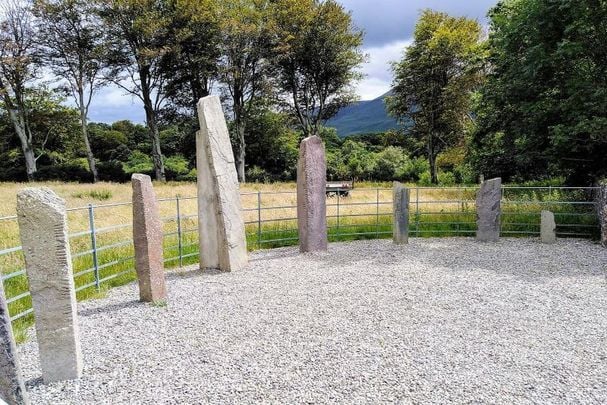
point(363, 117)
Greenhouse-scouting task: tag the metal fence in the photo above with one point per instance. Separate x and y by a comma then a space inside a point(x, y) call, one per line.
point(102, 245)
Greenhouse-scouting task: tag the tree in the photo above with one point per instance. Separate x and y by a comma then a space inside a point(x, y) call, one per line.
point(435, 79)
point(542, 111)
point(244, 44)
point(18, 66)
point(137, 31)
point(317, 53)
point(73, 47)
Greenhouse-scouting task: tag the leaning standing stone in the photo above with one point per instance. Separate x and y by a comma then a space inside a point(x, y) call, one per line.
point(43, 229)
point(223, 243)
point(12, 389)
point(548, 227)
point(488, 210)
point(311, 195)
point(400, 233)
point(147, 238)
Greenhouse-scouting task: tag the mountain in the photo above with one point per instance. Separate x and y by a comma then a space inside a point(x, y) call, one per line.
point(363, 117)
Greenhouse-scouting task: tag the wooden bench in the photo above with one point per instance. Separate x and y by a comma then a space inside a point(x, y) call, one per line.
point(339, 187)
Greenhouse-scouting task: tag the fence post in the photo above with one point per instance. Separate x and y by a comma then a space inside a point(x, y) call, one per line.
point(338, 197)
point(179, 242)
point(258, 219)
point(94, 245)
point(377, 214)
point(416, 211)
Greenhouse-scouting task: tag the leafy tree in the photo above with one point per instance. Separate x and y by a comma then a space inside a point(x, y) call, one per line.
point(434, 81)
point(244, 44)
point(316, 56)
point(18, 66)
point(74, 48)
point(542, 111)
point(137, 31)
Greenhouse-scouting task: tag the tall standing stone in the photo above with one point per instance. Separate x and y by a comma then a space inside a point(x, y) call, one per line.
point(147, 238)
point(223, 243)
point(488, 210)
point(43, 229)
point(602, 208)
point(12, 389)
point(548, 227)
point(311, 195)
point(400, 231)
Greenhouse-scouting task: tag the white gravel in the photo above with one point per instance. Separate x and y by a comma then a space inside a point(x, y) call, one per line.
point(438, 321)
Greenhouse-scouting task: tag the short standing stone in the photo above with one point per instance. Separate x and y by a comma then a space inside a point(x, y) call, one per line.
point(548, 227)
point(488, 210)
point(223, 243)
point(311, 195)
point(12, 389)
point(43, 229)
point(147, 238)
point(400, 233)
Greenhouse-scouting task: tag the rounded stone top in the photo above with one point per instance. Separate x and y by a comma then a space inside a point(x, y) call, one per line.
point(33, 198)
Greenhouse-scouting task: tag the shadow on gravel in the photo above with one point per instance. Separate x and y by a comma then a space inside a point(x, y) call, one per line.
point(111, 308)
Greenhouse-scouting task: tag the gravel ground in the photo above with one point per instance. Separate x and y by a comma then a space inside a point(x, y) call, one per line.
point(436, 321)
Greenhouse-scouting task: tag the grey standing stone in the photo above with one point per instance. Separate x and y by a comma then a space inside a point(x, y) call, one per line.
point(43, 229)
point(548, 227)
point(602, 208)
point(12, 389)
point(400, 232)
point(147, 238)
point(488, 210)
point(223, 244)
point(311, 195)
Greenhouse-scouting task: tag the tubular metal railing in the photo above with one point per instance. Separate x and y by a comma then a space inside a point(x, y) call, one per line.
point(102, 244)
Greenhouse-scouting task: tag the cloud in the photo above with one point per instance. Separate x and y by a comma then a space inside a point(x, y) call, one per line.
point(112, 104)
point(378, 73)
point(386, 21)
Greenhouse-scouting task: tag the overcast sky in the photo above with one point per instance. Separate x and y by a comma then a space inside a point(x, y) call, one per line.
point(388, 26)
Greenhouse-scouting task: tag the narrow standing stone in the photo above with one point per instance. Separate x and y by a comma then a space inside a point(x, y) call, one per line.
point(488, 210)
point(147, 238)
point(223, 243)
point(603, 214)
point(43, 229)
point(12, 389)
point(400, 233)
point(311, 195)
point(548, 228)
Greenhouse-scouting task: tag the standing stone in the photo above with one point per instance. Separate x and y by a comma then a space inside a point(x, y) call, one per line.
point(548, 227)
point(147, 238)
point(400, 232)
point(223, 244)
point(488, 210)
point(602, 208)
point(12, 389)
point(311, 195)
point(46, 247)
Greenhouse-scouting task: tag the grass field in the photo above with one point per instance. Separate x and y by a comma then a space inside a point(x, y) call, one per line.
point(270, 216)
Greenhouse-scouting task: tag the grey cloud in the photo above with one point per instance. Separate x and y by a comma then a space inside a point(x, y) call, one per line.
point(386, 21)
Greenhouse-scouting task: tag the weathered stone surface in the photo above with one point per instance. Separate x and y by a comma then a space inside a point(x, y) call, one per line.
point(223, 244)
point(602, 207)
point(311, 195)
point(43, 229)
point(488, 210)
point(400, 230)
point(12, 389)
point(548, 227)
point(147, 238)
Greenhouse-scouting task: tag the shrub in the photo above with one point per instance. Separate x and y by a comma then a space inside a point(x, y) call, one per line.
point(256, 174)
point(138, 162)
point(176, 166)
point(112, 171)
point(446, 179)
point(65, 172)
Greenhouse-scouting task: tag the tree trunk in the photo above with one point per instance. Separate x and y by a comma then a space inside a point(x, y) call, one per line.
point(153, 133)
point(241, 151)
point(26, 145)
point(87, 145)
point(432, 161)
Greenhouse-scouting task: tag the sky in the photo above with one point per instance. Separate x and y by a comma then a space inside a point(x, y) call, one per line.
point(388, 27)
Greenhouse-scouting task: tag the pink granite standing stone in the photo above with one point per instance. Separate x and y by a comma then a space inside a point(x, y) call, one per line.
point(311, 195)
point(147, 237)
